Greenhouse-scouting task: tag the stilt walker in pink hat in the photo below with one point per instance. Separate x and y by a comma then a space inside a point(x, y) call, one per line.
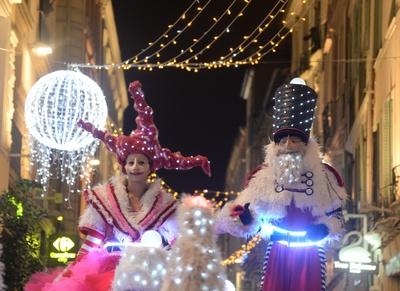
point(125, 207)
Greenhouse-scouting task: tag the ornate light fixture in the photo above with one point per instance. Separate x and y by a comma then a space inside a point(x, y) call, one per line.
point(53, 107)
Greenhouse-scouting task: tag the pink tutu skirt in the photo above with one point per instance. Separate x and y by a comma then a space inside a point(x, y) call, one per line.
point(95, 271)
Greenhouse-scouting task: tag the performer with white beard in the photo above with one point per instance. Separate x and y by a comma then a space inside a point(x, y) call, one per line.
point(293, 198)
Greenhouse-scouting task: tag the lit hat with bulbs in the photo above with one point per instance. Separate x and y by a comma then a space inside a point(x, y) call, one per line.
point(295, 104)
point(144, 140)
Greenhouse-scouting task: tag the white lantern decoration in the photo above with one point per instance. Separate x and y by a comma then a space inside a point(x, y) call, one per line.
point(53, 107)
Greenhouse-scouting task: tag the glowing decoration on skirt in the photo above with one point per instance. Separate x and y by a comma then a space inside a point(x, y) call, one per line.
point(53, 107)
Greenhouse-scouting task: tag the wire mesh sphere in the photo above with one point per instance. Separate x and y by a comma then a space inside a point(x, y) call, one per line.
point(55, 104)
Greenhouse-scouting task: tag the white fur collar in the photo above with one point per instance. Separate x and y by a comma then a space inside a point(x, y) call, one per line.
point(260, 192)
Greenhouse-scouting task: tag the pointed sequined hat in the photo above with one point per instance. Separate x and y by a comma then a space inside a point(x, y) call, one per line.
point(295, 104)
point(144, 140)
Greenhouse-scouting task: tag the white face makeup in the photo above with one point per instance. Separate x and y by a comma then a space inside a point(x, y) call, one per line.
point(291, 144)
point(137, 166)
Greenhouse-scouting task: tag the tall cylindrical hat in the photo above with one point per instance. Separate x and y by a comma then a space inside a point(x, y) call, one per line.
point(295, 104)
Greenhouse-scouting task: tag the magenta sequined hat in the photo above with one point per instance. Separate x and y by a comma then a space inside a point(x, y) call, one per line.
point(144, 140)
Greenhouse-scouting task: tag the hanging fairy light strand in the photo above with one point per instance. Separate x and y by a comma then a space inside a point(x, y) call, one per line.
point(185, 64)
point(189, 57)
point(253, 37)
point(165, 35)
point(58, 147)
point(280, 36)
point(172, 61)
point(240, 255)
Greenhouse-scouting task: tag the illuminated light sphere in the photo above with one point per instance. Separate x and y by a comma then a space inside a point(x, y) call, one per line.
point(55, 104)
point(151, 238)
point(53, 107)
point(229, 286)
point(298, 81)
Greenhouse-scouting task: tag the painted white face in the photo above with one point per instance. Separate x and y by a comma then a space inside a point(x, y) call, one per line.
point(291, 144)
point(137, 166)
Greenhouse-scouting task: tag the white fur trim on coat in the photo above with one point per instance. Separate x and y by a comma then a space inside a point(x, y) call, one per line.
point(100, 212)
point(267, 205)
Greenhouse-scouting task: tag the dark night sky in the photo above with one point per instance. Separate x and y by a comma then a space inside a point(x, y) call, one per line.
point(196, 113)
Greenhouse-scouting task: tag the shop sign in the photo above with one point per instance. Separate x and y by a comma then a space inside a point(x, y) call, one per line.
point(355, 268)
point(62, 250)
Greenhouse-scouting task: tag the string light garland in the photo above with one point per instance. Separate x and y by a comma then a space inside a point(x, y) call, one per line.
point(53, 107)
point(191, 57)
point(240, 255)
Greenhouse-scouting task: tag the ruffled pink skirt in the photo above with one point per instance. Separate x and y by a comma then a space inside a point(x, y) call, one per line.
point(95, 271)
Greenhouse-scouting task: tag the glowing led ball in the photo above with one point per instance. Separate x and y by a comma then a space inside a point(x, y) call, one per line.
point(55, 104)
point(151, 238)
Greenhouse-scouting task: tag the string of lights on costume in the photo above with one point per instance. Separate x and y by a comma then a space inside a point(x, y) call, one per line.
point(195, 260)
point(293, 200)
point(144, 139)
point(192, 264)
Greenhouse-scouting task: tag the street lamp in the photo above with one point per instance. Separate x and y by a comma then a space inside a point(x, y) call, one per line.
point(41, 48)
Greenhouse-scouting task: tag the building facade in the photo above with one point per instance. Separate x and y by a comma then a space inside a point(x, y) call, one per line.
point(79, 32)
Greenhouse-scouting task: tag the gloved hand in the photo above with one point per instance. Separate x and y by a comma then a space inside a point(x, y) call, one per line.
point(317, 232)
point(243, 212)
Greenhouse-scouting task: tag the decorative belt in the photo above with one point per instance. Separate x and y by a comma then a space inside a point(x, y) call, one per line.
point(291, 238)
point(288, 238)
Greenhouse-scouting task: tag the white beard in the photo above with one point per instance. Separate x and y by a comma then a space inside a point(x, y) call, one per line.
point(288, 167)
